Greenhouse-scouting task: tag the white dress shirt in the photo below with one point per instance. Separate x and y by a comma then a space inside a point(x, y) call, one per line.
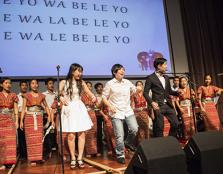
point(174, 89)
point(20, 102)
point(118, 95)
point(50, 97)
point(162, 79)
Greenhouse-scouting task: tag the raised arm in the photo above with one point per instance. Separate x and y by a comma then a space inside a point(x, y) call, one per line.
point(132, 88)
point(88, 92)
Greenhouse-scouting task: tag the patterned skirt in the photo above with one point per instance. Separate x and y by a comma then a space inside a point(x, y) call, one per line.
point(166, 127)
point(34, 135)
point(211, 118)
point(143, 122)
point(7, 139)
point(91, 136)
point(188, 122)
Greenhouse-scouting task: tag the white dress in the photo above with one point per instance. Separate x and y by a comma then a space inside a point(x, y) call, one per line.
point(74, 116)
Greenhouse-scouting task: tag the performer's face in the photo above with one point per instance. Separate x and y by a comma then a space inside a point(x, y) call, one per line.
point(207, 80)
point(139, 86)
point(176, 82)
point(50, 85)
point(183, 82)
point(34, 85)
point(162, 67)
point(77, 74)
point(6, 85)
point(120, 74)
point(99, 89)
point(23, 87)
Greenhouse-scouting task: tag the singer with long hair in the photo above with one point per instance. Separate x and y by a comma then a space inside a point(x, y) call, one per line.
point(74, 115)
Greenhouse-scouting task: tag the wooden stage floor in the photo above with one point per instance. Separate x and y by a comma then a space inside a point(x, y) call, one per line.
point(51, 167)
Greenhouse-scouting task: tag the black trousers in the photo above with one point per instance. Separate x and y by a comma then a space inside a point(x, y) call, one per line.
point(22, 143)
point(49, 141)
point(99, 133)
point(158, 122)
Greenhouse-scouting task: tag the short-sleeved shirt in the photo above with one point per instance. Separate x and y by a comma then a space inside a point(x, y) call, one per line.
point(8, 102)
point(118, 94)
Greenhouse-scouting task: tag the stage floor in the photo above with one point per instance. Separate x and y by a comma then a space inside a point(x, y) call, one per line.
point(51, 167)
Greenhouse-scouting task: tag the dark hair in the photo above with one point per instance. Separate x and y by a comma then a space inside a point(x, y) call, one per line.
point(207, 75)
point(69, 78)
point(115, 68)
point(159, 61)
point(31, 81)
point(176, 77)
point(3, 79)
point(88, 82)
point(139, 81)
point(97, 85)
point(22, 81)
point(48, 80)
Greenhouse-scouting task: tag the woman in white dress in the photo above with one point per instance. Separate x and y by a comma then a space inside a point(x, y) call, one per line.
point(74, 115)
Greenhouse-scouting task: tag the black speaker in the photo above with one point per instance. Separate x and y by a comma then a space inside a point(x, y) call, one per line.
point(158, 156)
point(204, 153)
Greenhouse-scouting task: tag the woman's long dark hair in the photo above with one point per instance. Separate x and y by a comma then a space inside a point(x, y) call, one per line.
point(69, 79)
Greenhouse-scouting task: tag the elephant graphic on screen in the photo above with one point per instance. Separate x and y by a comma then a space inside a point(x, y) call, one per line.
point(146, 59)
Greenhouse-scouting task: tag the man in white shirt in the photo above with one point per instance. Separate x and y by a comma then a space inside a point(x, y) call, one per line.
point(99, 89)
point(50, 93)
point(50, 140)
point(23, 90)
point(116, 95)
point(176, 83)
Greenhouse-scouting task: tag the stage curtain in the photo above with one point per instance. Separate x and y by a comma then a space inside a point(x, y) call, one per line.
point(203, 30)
